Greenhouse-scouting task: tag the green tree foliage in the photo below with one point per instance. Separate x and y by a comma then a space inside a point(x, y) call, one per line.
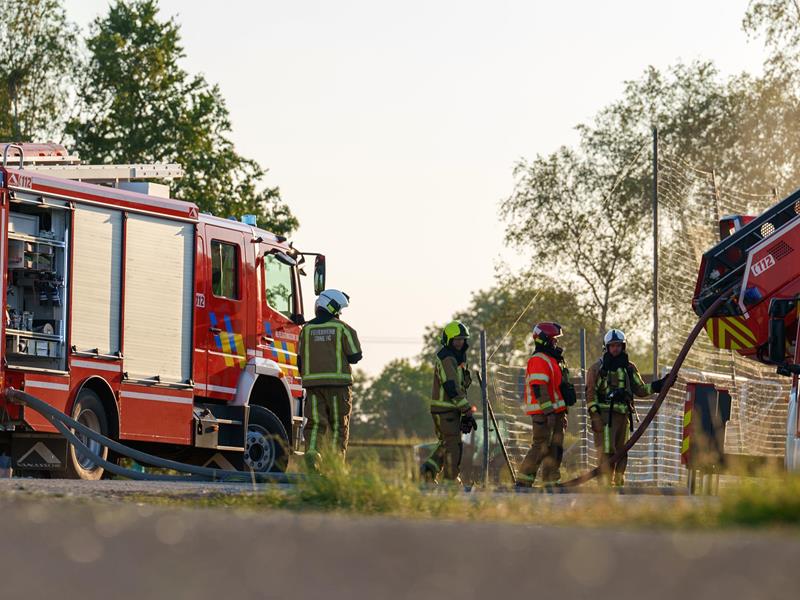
point(396, 403)
point(38, 50)
point(138, 105)
point(779, 22)
point(498, 308)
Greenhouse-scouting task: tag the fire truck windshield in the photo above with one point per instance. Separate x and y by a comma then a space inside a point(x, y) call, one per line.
point(279, 285)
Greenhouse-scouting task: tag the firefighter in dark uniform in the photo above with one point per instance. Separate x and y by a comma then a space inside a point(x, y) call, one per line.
point(451, 413)
point(327, 348)
point(611, 384)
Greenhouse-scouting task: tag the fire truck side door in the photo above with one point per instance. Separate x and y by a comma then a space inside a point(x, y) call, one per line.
point(226, 306)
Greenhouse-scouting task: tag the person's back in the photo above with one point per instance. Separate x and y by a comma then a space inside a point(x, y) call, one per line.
point(327, 348)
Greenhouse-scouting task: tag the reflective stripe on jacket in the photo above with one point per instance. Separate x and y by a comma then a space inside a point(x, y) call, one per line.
point(543, 385)
point(326, 350)
point(449, 389)
point(599, 385)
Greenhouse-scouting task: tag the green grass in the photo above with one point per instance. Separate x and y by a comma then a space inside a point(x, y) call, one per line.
point(364, 487)
point(769, 501)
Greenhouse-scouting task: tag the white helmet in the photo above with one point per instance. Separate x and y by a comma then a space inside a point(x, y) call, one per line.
point(332, 301)
point(614, 335)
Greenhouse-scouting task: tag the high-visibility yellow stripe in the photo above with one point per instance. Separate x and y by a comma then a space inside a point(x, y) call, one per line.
point(687, 418)
point(685, 445)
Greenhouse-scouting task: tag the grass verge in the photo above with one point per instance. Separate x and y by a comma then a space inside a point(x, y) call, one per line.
point(366, 488)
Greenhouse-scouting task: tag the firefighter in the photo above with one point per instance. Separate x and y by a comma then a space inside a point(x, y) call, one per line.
point(546, 381)
point(327, 348)
point(451, 413)
point(611, 384)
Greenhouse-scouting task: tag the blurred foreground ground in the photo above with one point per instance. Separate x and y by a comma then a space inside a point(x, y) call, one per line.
point(97, 544)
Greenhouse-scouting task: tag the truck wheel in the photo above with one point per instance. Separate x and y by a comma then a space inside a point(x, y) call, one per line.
point(89, 411)
point(266, 449)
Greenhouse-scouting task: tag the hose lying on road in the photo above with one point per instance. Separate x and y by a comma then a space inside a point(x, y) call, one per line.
point(671, 377)
point(64, 423)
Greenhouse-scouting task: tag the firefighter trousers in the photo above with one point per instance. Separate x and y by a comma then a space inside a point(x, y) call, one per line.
point(447, 454)
point(547, 450)
point(327, 410)
point(609, 439)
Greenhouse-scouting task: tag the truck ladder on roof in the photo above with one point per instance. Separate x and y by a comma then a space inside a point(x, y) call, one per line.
point(53, 160)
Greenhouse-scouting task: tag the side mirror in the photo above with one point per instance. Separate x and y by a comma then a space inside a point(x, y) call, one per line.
point(319, 274)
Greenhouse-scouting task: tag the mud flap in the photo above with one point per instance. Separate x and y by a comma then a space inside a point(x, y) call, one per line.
point(38, 452)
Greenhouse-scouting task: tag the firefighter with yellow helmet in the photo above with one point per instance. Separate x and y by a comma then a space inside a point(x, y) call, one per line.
point(611, 384)
point(451, 413)
point(327, 348)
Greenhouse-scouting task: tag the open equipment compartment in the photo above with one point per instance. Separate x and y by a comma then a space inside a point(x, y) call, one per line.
point(38, 255)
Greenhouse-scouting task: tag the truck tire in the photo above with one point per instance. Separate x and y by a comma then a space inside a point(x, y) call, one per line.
point(89, 411)
point(267, 445)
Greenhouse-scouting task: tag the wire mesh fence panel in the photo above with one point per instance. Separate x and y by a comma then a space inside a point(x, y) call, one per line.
point(690, 203)
point(507, 393)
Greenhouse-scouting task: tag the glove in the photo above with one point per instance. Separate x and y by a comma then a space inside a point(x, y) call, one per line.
point(468, 423)
point(657, 384)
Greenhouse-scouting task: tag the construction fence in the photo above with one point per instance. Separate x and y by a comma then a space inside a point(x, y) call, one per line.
point(690, 203)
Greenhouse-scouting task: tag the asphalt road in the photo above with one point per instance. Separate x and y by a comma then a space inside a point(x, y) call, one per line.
point(111, 548)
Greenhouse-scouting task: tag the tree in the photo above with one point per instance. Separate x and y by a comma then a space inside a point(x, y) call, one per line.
point(779, 21)
point(396, 403)
point(139, 105)
point(573, 214)
point(498, 308)
point(38, 46)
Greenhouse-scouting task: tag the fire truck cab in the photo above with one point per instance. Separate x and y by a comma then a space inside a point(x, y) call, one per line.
point(163, 328)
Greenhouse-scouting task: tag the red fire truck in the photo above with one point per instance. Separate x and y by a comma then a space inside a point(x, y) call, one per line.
point(169, 330)
point(755, 268)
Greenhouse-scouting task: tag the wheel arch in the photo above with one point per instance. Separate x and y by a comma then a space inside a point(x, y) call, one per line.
point(105, 392)
point(270, 393)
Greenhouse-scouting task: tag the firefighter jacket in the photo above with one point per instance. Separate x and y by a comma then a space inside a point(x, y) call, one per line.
point(328, 346)
point(600, 383)
point(543, 385)
point(450, 382)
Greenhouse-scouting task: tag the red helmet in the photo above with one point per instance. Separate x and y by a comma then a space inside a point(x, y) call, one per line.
point(547, 332)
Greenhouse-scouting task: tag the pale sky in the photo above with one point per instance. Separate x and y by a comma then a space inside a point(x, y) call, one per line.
point(392, 127)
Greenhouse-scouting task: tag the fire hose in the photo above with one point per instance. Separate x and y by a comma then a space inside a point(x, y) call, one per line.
point(671, 377)
point(65, 425)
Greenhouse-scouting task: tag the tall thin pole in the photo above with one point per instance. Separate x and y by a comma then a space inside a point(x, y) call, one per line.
point(655, 286)
point(655, 252)
point(485, 408)
point(584, 427)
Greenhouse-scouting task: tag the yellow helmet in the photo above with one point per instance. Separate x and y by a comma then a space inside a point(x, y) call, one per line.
point(453, 330)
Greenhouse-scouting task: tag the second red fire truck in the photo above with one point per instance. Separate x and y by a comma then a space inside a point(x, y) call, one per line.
point(167, 329)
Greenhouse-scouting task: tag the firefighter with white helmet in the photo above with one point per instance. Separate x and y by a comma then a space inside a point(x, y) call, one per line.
point(451, 413)
point(548, 393)
point(327, 348)
point(611, 384)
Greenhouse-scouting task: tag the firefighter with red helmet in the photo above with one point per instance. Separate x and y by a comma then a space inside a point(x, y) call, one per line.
point(611, 384)
point(546, 382)
point(451, 413)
